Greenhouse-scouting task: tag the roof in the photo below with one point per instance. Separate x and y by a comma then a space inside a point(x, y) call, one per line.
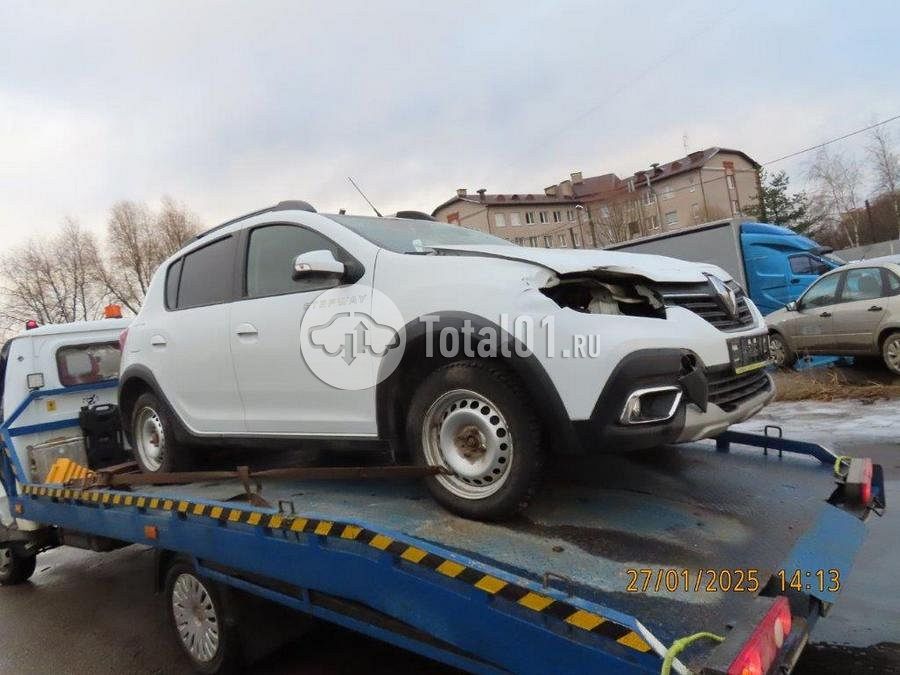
point(690, 162)
point(879, 261)
point(514, 199)
point(77, 327)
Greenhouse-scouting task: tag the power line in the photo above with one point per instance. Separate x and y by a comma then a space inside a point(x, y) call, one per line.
point(833, 140)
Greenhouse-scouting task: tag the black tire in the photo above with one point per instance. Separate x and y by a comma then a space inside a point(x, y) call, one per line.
point(214, 601)
point(890, 352)
point(505, 413)
point(173, 456)
point(782, 355)
point(15, 567)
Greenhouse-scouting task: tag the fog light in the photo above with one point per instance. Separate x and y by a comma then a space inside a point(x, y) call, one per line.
point(654, 404)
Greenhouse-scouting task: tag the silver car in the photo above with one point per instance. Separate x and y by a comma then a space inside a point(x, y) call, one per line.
point(851, 311)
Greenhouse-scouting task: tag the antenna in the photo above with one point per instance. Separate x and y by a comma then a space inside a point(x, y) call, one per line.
point(684, 141)
point(353, 183)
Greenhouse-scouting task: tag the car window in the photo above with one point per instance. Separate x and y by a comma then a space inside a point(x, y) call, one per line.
point(407, 235)
point(206, 275)
point(173, 276)
point(862, 284)
point(270, 259)
point(822, 292)
point(85, 364)
point(808, 264)
point(893, 282)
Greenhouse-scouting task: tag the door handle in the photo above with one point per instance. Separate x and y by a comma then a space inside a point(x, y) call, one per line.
point(795, 281)
point(246, 330)
point(825, 315)
point(158, 341)
point(875, 308)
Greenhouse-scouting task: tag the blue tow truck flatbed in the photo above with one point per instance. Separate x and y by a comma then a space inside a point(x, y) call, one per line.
point(617, 558)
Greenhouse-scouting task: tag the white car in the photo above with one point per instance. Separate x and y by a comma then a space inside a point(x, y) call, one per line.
point(489, 359)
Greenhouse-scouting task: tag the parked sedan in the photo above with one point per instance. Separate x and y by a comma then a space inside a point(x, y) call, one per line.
point(851, 311)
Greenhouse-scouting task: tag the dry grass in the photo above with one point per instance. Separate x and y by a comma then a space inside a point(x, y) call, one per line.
point(829, 384)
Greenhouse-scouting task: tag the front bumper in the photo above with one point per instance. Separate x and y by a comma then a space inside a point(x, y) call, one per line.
point(697, 417)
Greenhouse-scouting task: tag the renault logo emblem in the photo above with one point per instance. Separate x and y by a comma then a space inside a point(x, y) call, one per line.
point(725, 295)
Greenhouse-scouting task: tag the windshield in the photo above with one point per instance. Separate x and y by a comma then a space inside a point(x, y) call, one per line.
point(405, 235)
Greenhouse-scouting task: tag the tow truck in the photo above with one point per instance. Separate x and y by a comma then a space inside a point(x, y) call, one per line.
point(706, 558)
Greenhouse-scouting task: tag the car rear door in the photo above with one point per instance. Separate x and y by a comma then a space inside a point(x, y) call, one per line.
point(861, 309)
point(280, 393)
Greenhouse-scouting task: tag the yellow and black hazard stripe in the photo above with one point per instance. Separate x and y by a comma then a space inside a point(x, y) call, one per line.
point(408, 553)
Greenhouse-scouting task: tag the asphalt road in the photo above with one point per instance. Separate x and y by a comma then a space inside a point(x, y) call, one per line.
point(97, 613)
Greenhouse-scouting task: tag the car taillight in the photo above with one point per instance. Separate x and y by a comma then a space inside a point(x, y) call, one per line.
point(760, 651)
point(858, 480)
point(123, 336)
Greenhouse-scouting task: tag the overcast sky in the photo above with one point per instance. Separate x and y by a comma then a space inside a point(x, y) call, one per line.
point(232, 106)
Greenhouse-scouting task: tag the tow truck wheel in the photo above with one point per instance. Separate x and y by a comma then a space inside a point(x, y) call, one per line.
point(781, 354)
point(155, 448)
point(473, 419)
point(890, 350)
point(204, 625)
point(15, 567)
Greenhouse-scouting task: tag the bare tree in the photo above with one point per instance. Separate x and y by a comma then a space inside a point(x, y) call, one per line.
point(138, 240)
point(886, 165)
point(615, 219)
point(837, 180)
point(54, 279)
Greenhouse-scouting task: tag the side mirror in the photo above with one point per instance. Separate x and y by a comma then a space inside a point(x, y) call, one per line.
point(791, 306)
point(317, 263)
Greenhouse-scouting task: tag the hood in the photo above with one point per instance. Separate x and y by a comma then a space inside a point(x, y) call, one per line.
point(653, 267)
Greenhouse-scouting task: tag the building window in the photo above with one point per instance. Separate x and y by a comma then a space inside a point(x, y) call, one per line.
point(514, 219)
point(529, 217)
point(562, 241)
point(548, 241)
point(557, 216)
point(671, 217)
point(735, 207)
point(651, 223)
point(544, 216)
point(649, 198)
point(604, 211)
point(532, 241)
point(520, 241)
point(668, 193)
point(499, 220)
point(570, 215)
point(693, 186)
point(576, 236)
point(729, 181)
point(634, 229)
point(631, 184)
point(695, 213)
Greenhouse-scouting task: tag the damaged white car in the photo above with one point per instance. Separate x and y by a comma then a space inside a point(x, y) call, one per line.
point(490, 359)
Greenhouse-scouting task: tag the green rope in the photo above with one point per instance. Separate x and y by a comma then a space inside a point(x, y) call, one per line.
point(681, 644)
point(839, 460)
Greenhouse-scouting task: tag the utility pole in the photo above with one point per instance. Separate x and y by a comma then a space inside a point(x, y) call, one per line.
point(869, 220)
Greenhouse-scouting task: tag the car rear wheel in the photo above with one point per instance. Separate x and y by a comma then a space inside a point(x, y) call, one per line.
point(15, 567)
point(471, 419)
point(781, 354)
point(890, 351)
point(153, 437)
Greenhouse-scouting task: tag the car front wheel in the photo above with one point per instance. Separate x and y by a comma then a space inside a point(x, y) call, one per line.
point(473, 420)
point(781, 354)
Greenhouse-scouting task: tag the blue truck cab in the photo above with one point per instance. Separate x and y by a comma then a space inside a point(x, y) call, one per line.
point(780, 264)
point(773, 263)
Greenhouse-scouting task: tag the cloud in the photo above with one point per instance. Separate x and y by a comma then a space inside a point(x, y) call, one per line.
point(229, 106)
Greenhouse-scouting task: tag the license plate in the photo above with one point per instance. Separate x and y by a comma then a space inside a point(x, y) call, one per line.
point(749, 353)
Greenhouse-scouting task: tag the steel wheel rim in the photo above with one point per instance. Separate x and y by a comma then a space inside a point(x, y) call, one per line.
point(466, 433)
point(776, 350)
point(6, 561)
point(150, 438)
point(892, 353)
point(195, 618)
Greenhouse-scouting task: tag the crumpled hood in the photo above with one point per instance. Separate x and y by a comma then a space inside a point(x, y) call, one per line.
point(653, 267)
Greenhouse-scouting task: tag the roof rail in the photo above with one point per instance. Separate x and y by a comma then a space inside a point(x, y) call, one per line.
point(287, 205)
point(414, 215)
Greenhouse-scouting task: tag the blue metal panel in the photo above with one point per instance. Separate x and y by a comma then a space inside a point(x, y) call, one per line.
point(815, 450)
point(831, 543)
point(44, 426)
point(500, 633)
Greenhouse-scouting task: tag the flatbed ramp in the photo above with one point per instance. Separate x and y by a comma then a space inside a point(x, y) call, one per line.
point(561, 589)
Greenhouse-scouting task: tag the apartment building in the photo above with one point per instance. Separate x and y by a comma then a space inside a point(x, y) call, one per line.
point(598, 210)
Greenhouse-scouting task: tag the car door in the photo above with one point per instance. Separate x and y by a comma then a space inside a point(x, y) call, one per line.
point(189, 340)
point(861, 309)
point(812, 326)
point(281, 394)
